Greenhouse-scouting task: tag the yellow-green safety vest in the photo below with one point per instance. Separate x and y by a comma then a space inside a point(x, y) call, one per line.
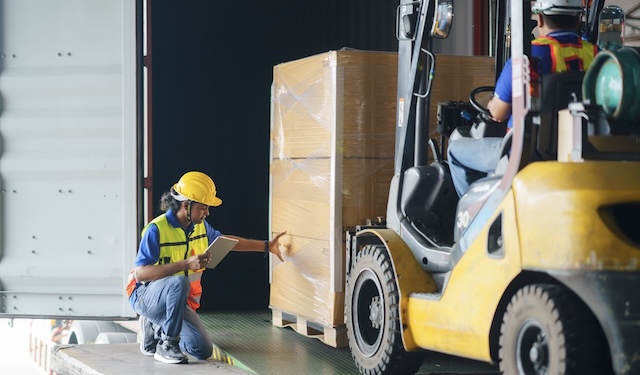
point(175, 246)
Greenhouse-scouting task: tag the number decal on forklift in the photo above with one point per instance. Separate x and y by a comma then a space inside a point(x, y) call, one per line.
point(463, 219)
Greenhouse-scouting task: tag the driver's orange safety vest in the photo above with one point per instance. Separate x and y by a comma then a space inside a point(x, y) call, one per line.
point(581, 53)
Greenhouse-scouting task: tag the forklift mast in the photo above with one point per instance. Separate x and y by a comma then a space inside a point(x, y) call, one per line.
point(415, 63)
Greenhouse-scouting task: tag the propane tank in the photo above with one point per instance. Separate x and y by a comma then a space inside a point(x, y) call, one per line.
point(613, 82)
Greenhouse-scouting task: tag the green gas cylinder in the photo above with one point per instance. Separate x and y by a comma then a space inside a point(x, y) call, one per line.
point(613, 82)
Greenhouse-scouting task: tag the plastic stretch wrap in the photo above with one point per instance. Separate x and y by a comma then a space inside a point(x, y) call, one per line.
point(333, 140)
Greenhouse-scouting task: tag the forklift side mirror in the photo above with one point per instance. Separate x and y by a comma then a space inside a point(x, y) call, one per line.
point(406, 19)
point(442, 19)
point(611, 28)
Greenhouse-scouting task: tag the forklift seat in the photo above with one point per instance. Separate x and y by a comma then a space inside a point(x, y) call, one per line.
point(558, 90)
point(428, 195)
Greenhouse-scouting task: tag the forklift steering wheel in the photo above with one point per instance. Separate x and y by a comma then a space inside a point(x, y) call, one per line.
point(474, 102)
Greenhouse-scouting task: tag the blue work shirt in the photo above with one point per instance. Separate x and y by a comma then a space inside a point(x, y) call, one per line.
point(542, 53)
point(149, 249)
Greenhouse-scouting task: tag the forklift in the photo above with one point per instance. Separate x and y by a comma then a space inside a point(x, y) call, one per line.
point(537, 267)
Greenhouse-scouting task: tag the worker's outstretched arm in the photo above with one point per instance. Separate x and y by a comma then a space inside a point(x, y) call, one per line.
point(273, 246)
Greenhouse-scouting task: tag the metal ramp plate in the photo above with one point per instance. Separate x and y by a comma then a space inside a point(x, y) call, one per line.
point(250, 341)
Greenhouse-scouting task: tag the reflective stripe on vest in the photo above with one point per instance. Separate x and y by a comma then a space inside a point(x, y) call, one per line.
point(563, 54)
point(174, 247)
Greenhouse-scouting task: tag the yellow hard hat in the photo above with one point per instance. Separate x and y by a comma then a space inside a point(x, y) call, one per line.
point(198, 187)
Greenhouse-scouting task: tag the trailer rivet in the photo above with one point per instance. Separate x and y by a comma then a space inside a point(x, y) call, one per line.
point(89, 252)
point(33, 251)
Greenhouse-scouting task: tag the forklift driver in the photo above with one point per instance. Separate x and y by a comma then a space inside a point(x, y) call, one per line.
point(164, 287)
point(558, 48)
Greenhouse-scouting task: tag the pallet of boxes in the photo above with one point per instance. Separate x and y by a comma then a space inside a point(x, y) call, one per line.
point(332, 138)
point(332, 157)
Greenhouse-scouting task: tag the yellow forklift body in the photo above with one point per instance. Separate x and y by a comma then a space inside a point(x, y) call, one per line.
point(459, 322)
point(557, 204)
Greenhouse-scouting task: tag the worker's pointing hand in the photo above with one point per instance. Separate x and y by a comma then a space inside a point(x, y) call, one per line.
point(274, 246)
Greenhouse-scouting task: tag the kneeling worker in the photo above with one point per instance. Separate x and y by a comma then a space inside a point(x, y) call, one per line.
point(164, 287)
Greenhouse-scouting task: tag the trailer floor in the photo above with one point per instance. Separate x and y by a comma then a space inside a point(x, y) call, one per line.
point(245, 343)
point(252, 341)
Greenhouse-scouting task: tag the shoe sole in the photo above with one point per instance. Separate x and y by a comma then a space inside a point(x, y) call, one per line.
point(142, 349)
point(169, 360)
point(144, 352)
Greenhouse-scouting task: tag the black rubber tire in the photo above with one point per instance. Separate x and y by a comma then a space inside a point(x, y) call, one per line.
point(372, 316)
point(547, 329)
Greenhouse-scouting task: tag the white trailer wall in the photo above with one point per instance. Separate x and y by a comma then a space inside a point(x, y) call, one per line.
point(68, 157)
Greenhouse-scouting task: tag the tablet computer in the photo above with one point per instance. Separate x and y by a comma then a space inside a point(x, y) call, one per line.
point(219, 248)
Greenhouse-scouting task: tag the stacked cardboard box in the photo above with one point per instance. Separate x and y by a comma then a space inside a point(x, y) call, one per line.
point(333, 140)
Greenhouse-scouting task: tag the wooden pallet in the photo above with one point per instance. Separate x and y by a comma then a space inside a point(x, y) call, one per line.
point(330, 335)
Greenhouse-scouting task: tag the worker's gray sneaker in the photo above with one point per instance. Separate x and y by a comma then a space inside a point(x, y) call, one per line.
point(168, 351)
point(148, 342)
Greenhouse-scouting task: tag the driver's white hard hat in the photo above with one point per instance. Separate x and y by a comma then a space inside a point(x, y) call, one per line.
point(558, 7)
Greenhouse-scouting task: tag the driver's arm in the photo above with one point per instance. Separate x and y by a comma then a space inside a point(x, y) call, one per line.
point(500, 104)
point(500, 110)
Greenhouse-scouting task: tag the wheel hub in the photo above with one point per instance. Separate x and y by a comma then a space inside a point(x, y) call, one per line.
point(532, 349)
point(537, 354)
point(375, 312)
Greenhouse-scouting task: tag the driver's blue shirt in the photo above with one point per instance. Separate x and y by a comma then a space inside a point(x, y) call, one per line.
point(544, 55)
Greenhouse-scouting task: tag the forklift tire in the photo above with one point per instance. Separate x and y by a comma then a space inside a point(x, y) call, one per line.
point(372, 316)
point(546, 329)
